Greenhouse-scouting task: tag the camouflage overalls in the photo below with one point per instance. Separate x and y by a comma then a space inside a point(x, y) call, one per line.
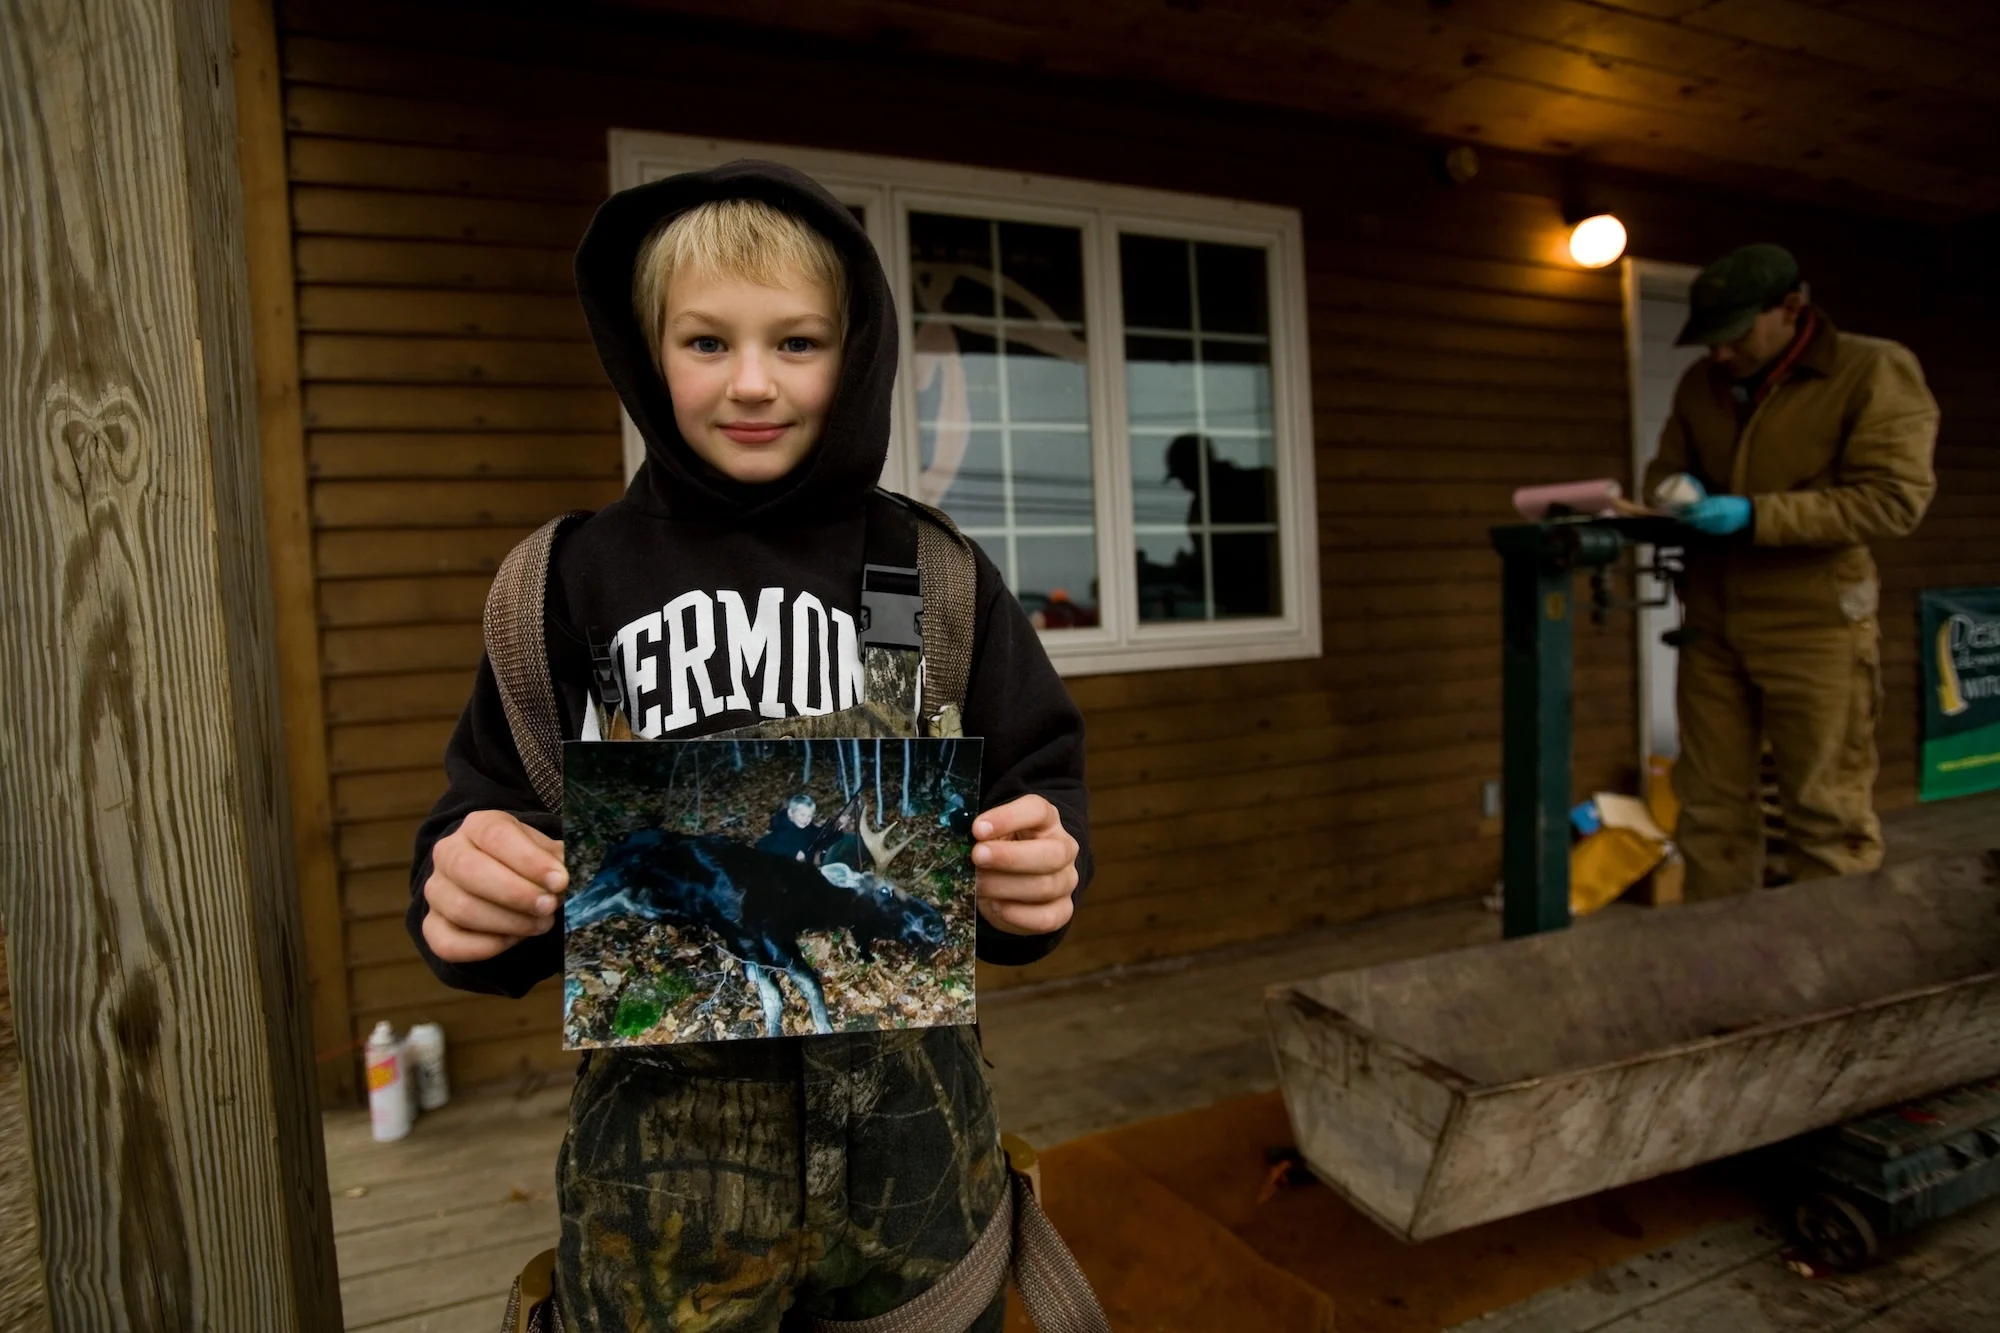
point(749, 1184)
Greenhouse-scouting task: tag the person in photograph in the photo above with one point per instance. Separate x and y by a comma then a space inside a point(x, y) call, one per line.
point(792, 831)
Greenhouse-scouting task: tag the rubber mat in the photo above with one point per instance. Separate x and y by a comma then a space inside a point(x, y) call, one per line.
point(1164, 1216)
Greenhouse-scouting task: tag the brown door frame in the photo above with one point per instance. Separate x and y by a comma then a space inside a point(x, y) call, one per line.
point(274, 326)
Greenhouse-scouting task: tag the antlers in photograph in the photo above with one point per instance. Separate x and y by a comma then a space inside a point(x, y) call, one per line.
point(877, 842)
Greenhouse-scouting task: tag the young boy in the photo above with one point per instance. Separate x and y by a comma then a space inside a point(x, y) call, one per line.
point(792, 830)
point(743, 318)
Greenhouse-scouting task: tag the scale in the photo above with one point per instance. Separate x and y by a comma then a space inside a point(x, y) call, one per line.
point(1538, 571)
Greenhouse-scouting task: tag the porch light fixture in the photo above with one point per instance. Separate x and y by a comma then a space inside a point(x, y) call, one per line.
point(1597, 241)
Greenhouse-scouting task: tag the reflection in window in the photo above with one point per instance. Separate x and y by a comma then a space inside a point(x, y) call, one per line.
point(1198, 390)
point(1003, 401)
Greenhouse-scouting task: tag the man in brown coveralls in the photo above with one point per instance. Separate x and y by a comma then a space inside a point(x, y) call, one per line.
point(1809, 443)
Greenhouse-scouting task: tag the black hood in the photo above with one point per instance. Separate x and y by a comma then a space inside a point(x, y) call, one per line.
point(838, 475)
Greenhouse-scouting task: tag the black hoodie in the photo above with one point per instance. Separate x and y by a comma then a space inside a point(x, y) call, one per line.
point(731, 603)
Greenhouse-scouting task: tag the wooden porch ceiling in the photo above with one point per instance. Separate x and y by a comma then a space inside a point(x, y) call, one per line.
point(1888, 106)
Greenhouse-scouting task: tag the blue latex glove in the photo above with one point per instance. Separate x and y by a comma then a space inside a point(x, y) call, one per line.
point(1718, 515)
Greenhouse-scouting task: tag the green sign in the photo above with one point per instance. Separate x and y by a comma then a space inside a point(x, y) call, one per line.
point(1961, 692)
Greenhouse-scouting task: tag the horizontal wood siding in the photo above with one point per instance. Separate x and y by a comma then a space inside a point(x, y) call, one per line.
point(442, 177)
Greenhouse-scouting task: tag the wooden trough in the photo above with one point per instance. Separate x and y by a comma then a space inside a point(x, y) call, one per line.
point(1441, 1092)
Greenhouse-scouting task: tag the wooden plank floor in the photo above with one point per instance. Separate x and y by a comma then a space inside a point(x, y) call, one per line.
point(431, 1230)
point(1944, 1280)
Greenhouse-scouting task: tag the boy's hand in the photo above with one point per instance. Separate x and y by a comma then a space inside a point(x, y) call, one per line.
point(493, 884)
point(1026, 866)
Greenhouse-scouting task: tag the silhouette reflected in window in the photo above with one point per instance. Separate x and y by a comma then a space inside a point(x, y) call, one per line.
point(1226, 564)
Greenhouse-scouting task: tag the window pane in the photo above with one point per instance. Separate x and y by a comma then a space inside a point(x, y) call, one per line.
point(1052, 479)
point(1245, 574)
point(958, 375)
point(1003, 401)
point(1153, 277)
point(1044, 270)
point(1157, 498)
point(1234, 297)
point(952, 264)
point(1171, 582)
point(1242, 481)
point(1159, 383)
point(1235, 385)
point(1199, 399)
point(972, 459)
point(1058, 581)
point(1045, 388)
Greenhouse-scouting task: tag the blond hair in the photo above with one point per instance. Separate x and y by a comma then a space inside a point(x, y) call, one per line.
point(738, 238)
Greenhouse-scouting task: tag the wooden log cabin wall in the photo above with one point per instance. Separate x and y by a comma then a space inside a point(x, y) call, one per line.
point(443, 165)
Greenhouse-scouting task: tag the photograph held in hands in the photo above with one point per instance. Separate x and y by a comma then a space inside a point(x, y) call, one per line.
point(724, 889)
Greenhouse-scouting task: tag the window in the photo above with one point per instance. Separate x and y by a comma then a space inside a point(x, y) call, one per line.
point(1000, 352)
point(1198, 404)
point(1106, 387)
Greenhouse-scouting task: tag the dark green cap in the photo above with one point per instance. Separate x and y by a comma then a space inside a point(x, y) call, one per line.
point(1726, 297)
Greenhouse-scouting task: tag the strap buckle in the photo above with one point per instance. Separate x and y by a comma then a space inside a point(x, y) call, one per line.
point(892, 607)
point(604, 670)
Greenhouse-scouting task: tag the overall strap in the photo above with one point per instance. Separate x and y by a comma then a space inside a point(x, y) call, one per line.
point(518, 650)
point(893, 597)
point(1019, 1239)
point(949, 599)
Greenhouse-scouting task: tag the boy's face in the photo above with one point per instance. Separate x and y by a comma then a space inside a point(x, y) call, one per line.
point(751, 370)
point(802, 815)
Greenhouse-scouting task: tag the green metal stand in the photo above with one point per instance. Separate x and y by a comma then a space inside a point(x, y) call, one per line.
point(1535, 782)
point(1539, 562)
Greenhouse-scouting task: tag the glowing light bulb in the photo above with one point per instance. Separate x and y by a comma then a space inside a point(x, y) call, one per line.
point(1595, 242)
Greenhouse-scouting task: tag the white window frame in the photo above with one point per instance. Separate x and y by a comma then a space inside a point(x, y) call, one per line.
point(889, 189)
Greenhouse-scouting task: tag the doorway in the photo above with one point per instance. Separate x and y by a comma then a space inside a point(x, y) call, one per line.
point(1655, 307)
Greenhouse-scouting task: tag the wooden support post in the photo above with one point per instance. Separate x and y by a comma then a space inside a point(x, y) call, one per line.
point(152, 930)
point(24, 1306)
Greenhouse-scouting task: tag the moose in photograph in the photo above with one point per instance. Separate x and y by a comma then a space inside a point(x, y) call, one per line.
point(757, 903)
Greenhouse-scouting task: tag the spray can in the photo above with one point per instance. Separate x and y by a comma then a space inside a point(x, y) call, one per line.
point(390, 1109)
point(425, 1044)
